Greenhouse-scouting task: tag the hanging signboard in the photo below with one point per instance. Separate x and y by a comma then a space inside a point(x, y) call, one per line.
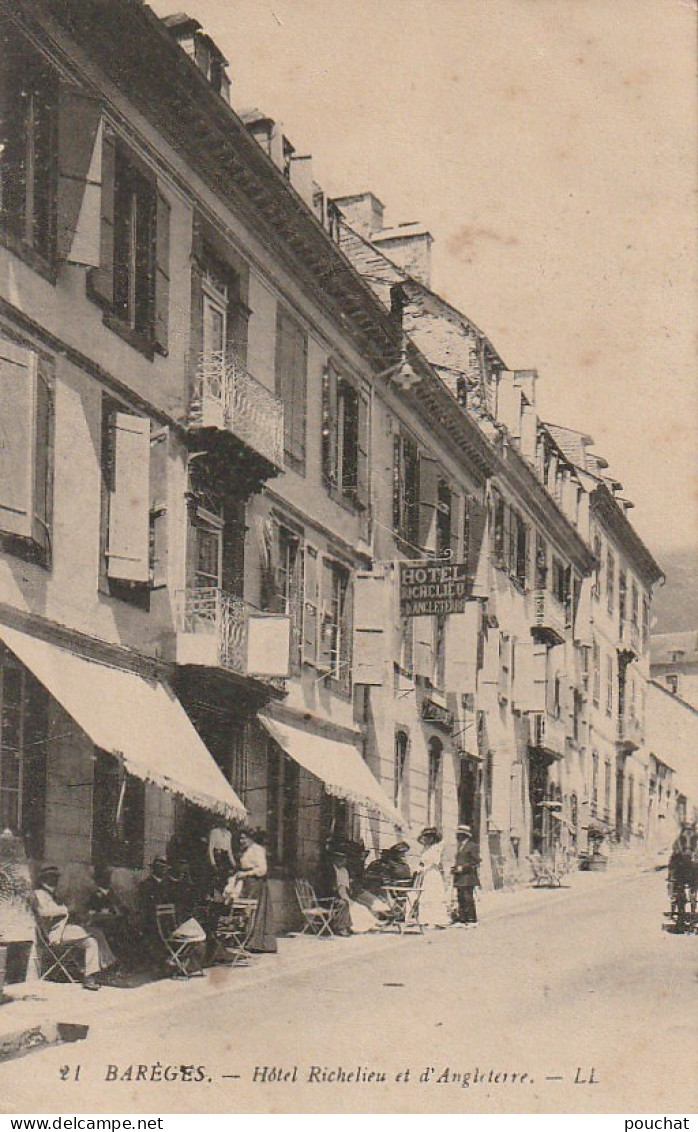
point(429, 588)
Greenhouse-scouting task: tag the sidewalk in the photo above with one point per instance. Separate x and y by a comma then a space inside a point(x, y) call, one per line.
point(31, 1013)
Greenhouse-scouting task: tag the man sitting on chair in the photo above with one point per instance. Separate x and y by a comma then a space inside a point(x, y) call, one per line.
point(54, 917)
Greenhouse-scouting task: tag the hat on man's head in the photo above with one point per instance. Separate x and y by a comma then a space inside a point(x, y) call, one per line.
point(48, 871)
point(464, 829)
point(400, 848)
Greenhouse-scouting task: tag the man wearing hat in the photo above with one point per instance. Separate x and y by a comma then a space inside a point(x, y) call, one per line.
point(465, 875)
point(98, 954)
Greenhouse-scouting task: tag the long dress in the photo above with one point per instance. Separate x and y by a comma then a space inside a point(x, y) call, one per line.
point(256, 887)
point(433, 906)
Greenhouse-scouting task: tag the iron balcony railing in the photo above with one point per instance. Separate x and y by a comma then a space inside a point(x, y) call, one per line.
point(212, 628)
point(225, 396)
point(549, 616)
point(547, 733)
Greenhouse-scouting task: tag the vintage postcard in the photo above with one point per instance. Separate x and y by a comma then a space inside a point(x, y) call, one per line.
point(348, 557)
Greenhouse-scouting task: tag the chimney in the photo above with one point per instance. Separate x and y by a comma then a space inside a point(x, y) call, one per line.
point(363, 212)
point(526, 381)
point(302, 177)
point(193, 40)
point(409, 247)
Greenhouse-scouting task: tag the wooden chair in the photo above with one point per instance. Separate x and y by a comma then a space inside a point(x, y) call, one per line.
point(545, 874)
point(233, 933)
point(67, 958)
point(182, 953)
point(317, 912)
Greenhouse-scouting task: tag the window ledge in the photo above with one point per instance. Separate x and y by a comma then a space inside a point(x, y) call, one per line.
point(27, 549)
point(135, 338)
point(32, 258)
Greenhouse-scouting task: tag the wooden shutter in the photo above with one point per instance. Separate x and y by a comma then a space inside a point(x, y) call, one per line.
point(424, 645)
point(80, 146)
point(299, 379)
point(363, 486)
point(158, 508)
point(161, 320)
point(489, 673)
point(461, 650)
point(102, 277)
point(310, 605)
point(428, 498)
point(17, 426)
point(529, 677)
point(129, 502)
point(478, 550)
point(370, 626)
point(43, 453)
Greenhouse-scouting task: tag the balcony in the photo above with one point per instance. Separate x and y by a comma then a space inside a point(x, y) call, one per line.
point(226, 400)
point(630, 733)
point(546, 736)
point(218, 631)
point(629, 640)
point(549, 619)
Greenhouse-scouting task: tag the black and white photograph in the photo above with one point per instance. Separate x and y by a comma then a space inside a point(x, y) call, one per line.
point(348, 557)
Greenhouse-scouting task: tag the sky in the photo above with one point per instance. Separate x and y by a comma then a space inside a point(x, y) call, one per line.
point(549, 146)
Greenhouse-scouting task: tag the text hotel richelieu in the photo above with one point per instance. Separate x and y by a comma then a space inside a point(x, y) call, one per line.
point(433, 588)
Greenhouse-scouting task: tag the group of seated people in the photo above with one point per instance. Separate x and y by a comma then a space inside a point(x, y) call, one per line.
point(361, 892)
point(112, 934)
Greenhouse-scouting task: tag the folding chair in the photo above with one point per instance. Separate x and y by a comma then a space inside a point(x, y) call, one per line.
point(67, 958)
point(182, 953)
point(317, 912)
point(233, 933)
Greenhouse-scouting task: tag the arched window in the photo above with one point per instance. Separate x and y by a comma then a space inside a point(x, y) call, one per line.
point(401, 773)
point(435, 783)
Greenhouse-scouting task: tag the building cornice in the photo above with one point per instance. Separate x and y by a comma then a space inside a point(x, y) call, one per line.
point(606, 508)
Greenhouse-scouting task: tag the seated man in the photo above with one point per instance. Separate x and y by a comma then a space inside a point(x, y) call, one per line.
point(396, 869)
point(105, 911)
point(55, 916)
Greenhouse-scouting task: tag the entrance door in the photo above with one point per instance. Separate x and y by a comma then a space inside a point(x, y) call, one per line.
point(469, 795)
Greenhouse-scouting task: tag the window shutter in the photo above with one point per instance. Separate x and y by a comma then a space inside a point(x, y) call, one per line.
point(158, 508)
point(428, 497)
point(327, 622)
point(43, 453)
point(364, 444)
point(461, 650)
point(310, 605)
point(129, 502)
point(161, 320)
point(370, 624)
point(478, 550)
point(489, 673)
point(102, 277)
point(529, 677)
point(583, 617)
point(329, 425)
point(299, 375)
point(17, 423)
point(79, 177)
point(424, 647)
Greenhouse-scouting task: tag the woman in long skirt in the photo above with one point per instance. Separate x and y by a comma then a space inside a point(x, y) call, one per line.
point(433, 906)
point(255, 886)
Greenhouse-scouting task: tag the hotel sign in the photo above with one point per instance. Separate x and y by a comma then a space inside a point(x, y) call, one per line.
point(428, 588)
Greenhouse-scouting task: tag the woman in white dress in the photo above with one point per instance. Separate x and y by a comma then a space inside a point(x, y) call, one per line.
point(433, 906)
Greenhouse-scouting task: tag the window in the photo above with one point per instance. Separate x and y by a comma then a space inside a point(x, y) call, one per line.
point(631, 803)
point(291, 386)
point(622, 595)
point(214, 302)
point(594, 783)
point(645, 623)
point(334, 650)
point(577, 714)
point(345, 424)
point(607, 790)
point(406, 488)
point(609, 685)
point(541, 563)
point(132, 281)
point(596, 672)
point(401, 774)
point(28, 148)
point(672, 682)
point(519, 544)
point(561, 577)
point(444, 520)
point(118, 814)
point(26, 451)
point(634, 605)
point(610, 581)
point(284, 591)
point(435, 783)
point(23, 739)
point(598, 552)
point(440, 650)
point(283, 780)
point(498, 519)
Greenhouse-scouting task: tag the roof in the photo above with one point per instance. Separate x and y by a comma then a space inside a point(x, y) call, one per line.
point(400, 232)
point(674, 648)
